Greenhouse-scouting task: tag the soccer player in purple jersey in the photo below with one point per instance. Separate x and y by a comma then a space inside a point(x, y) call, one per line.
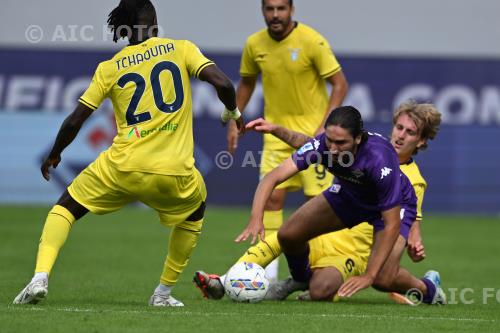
point(368, 187)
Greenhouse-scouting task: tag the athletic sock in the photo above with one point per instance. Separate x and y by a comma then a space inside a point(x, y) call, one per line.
point(272, 222)
point(264, 252)
point(299, 266)
point(163, 289)
point(55, 232)
point(182, 241)
point(431, 291)
point(41, 276)
point(272, 270)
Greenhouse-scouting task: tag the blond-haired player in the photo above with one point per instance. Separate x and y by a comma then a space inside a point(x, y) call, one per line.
point(336, 256)
point(151, 158)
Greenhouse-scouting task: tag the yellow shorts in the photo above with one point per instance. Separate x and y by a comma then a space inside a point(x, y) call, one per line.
point(313, 180)
point(102, 189)
point(323, 253)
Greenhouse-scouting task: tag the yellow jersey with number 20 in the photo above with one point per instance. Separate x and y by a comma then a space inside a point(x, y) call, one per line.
point(149, 87)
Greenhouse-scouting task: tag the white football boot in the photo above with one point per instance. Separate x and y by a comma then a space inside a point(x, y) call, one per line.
point(159, 299)
point(32, 293)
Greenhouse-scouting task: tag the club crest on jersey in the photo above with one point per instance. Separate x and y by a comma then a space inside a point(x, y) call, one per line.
point(335, 188)
point(294, 54)
point(384, 172)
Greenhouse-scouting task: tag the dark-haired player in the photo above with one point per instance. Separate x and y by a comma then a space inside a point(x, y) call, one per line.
point(369, 186)
point(151, 158)
point(295, 63)
point(336, 256)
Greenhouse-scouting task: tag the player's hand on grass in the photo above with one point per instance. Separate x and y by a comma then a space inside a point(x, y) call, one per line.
point(49, 162)
point(261, 125)
point(254, 228)
point(355, 284)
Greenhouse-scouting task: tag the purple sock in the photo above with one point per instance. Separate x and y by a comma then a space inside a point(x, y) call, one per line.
point(299, 266)
point(431, 291)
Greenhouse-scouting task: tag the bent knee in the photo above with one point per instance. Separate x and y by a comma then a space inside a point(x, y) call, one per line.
point(276, 200)
point(322, 293)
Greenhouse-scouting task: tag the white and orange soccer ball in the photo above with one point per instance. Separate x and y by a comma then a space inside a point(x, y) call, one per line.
point(246, 282)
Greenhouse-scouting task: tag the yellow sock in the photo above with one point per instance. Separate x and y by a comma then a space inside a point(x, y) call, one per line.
point(272, 221)
point(182, 241)
point(263, 252)
point(55, 232)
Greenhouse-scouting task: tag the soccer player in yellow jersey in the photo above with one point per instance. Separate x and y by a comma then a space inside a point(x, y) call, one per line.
point(151, 158)
point(336, 256)
point(295, 62)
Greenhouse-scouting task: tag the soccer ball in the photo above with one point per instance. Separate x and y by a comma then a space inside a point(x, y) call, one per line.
point(246, 282)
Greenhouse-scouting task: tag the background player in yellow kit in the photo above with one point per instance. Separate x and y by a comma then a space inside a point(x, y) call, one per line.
point(336, 256)
point(151, 158)
point(295, 63)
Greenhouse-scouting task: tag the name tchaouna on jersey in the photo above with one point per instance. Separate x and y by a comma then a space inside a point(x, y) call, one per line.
point(136, 59)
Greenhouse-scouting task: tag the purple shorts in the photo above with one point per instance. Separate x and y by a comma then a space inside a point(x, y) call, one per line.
point(351, 214)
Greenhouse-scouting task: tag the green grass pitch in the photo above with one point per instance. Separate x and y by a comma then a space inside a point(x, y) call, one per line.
point(110, 265)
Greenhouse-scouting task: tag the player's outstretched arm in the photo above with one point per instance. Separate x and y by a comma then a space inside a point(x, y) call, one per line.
point(67, 133)
point(294, 139)
point(383, 243)
point(255, 226)
point(225, 91)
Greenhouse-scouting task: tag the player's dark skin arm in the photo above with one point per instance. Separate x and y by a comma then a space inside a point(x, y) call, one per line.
point(244, 92)
point(294, 139)
point(67, 133)
point(224, 87)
